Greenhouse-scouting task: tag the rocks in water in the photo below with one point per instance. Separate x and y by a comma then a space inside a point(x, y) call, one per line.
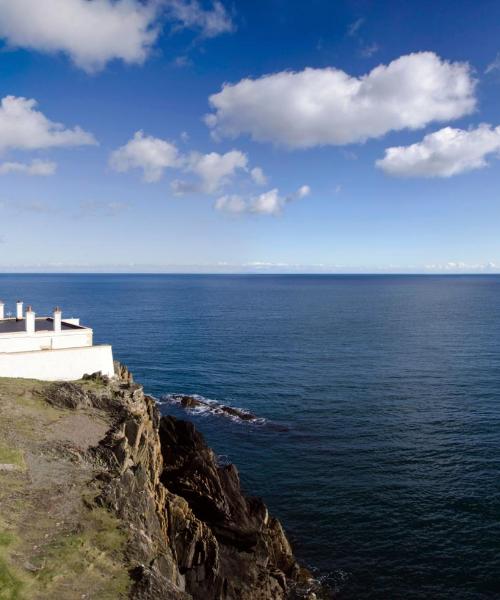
point(190, 402)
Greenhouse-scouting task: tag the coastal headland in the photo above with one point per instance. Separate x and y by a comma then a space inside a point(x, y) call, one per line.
point(102, 498)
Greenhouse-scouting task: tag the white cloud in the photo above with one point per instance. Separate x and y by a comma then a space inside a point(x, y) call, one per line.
point(258, 176)
point(303, 191)
point(211, 171)
point(94, 32)
point(443, 153)
point(267, 203)
point(189, 13)
point(327, 106)
point(152, 155)
point(90, 32)
point(231, 204)
point(181, 188)
point(214, 169)
point(22, 127)
point(36, 167)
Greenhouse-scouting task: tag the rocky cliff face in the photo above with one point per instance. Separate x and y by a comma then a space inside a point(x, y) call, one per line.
point(191, 532)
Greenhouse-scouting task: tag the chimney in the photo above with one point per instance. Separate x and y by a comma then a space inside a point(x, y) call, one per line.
point(30, 320)
point(2, 310)
point(57, 319)
point(19, 310)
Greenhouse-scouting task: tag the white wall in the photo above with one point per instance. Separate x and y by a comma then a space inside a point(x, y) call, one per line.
point(45, 340)
point(67, 364)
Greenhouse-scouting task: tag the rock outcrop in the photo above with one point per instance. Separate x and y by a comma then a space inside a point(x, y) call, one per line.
point(192, 533)
point(190, 402)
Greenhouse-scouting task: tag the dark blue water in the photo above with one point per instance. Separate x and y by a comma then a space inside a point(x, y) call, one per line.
point(381, 453)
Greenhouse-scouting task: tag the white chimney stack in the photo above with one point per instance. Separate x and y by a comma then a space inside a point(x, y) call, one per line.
point(57, 319)
point(19, 310)
point(30, 320)
point(2, 310)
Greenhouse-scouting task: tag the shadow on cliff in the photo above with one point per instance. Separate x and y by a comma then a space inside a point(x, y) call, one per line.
point(192, 533)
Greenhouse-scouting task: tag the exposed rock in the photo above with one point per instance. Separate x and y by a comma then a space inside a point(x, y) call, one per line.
point(122, 372)
point(254, 557)
point(67, 395)
point(193, 402)
point(192, 534)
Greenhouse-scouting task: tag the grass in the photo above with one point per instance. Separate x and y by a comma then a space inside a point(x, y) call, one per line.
point(12, 584)
point(11, 456)
point(82, 553)
point(92, 555)
point(88, 561)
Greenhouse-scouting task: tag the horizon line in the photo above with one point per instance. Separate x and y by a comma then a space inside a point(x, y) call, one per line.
point(260, 273)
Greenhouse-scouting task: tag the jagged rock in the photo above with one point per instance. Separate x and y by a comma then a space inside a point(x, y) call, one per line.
point(122, 372)
point(192, 533)
point(193, 402)
point(255, 558)
point(67, 395)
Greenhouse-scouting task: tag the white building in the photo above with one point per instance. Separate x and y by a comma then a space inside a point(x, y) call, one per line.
point(49, 348)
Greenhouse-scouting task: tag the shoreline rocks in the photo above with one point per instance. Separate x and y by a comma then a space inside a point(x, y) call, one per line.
point(190, 402)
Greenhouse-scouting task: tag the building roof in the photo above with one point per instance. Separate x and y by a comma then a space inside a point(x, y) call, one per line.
point(41, 324)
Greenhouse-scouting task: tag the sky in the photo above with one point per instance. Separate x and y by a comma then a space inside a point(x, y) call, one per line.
point(336, 136)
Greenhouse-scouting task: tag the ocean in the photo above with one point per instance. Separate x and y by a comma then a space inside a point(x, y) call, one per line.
point(377, 402)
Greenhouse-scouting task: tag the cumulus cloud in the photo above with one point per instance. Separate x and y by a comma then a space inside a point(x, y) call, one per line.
point(258, 176)
point(327, 106)
point(36, 167)
point(152, 155)
point(214, 169)
point(231, 203)
point(303, 191)
point(443, 153)
point(180, 187)
point(211, 171)
point(267, 203)
point(22, 127)
point(94, 32)
point(90, 32)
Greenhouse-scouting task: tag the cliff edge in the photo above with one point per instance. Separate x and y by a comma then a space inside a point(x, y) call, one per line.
point(101, 498)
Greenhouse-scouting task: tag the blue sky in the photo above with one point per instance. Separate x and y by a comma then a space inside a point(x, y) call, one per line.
point(291, 170)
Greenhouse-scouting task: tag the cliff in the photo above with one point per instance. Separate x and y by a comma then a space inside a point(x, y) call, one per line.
point(101, 498)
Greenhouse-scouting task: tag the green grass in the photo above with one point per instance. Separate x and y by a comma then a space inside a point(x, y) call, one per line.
point(12, 583)
point(11, 456)
point(11, 586)
point(86, 554)
point(93, 555)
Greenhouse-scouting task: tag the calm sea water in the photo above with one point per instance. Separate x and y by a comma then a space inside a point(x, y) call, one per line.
point(381, 449)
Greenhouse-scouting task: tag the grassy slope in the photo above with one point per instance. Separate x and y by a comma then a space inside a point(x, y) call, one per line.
point(54, 543)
